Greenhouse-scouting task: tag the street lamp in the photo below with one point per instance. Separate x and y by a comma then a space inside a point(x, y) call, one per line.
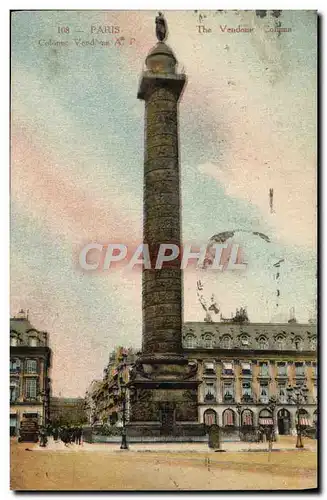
point(42, 395)
point(272, 406)
point(239, 410)
point(124, 445)
point(297, 395)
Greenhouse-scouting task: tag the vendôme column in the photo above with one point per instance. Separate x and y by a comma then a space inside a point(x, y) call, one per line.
point(161, 89)
point(163, 385)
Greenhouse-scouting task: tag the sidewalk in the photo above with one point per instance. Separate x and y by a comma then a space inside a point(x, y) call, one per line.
point(284, 444)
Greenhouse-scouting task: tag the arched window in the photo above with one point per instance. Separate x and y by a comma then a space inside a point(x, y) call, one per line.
point(228, 418)
point(266, 417)
point(263, 342)
point(226, 342)
point(190, 341)
point(210, 417)
point(247, 417)
point(208, 341)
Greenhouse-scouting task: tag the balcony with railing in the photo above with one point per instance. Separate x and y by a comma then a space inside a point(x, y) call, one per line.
point(247, 398)
point(228, 398)
point(210, 398)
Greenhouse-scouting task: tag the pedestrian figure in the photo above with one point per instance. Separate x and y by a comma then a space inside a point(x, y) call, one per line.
point(79, 435)
point(55, 433)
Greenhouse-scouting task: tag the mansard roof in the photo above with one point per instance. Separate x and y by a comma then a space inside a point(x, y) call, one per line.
point(281, 336)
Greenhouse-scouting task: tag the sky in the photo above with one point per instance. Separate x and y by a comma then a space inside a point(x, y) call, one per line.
point(247, 124)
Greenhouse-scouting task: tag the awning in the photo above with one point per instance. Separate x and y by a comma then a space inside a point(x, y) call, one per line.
point(266, 421)
point(304, 421)
point(227, 366)
point(246, 366)
point(209, 366)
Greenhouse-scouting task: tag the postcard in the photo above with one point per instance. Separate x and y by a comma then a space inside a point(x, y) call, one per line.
point(163, 329)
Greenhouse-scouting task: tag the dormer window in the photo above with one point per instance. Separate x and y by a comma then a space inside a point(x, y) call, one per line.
point(263, 342)
point(13, 341)
point(190, 341)
point(313, 343)
point(280, 342)
point(226, 342)
point(208, 341)
point(298, 343)
point(244, 340)
point(32, 341)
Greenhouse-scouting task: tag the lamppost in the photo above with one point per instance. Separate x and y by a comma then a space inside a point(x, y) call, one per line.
point(297, 395)
point(42, 395)
point(272, 406)
point(124, 445)
point(239, 411)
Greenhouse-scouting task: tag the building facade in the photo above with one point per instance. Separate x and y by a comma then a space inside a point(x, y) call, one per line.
point(243, 366)
point(30, 361)
point(104, 398)
point(67, 411)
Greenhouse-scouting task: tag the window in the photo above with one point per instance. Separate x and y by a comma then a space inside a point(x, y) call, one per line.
point(208, 341)
point(244, 340)
point(298, 343)
point(264, 393)
point(228, 369)
point(282, 394)
point(210, 417)
point(246, 391)
point(280, 342)
point(209, 368)
point(31, 388)
point(228, 418)
point(282, 369)
point(190, 342)
point(246, 368)
point(14, 365)
point(209, 392)
point(247, 417)
point(31, 366)
point(299, 369)
point(14, 390)
point(314, 369)
point(228, 391)
point(32, 341)
point(264, 369)
point(263, 343)
point(313, 343)
point(226, 342)
point(13, 341)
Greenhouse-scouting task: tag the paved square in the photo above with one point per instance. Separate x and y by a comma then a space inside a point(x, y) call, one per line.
point(193, 467)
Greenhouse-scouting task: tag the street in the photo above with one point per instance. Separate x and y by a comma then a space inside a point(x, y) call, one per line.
point(106, 467)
